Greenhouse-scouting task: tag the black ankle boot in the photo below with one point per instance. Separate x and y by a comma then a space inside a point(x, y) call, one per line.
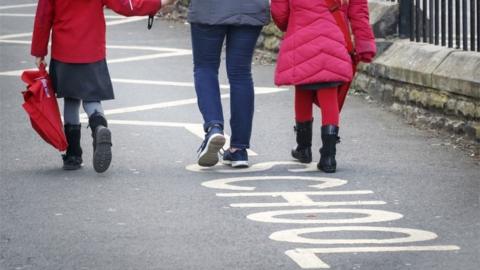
point(102, 142)
point(72, 160)
point(303, 151)
point(330, 137)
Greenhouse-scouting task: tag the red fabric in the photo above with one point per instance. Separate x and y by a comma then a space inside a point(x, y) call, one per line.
point(314, 49)
point(303, 105)
point(326, 99)
point(78, 27)
point(42, 108)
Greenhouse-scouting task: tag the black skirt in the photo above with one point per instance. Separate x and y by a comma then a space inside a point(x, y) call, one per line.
point(318, 86)
point(89, 82)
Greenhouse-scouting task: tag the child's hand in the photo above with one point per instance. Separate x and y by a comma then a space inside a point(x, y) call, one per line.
point(39, 61)
point(167, 2)
point(366, 57)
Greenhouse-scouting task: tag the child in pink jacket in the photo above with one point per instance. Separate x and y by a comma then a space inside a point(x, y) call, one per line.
point(314, 57)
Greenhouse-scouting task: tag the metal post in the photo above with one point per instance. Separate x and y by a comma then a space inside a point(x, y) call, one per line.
point(424, 20)
point(458, 15)
point(465, 25)
point(450, 23)
point(405, 18)
point(472, 25)
point(437, 22)
point(444, 23)
point(430, 23)
point(418, 14)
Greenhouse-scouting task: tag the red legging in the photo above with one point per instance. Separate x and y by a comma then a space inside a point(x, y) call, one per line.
point(327, 98)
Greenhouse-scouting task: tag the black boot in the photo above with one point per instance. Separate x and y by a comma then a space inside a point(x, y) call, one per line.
point(303, 151)
point(102, 142)
point(330, 137)
point(72, 160)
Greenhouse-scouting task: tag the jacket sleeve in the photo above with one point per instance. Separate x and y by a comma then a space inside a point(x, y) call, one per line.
point(358, 16)
point(134, 7)
point(280, 13)
point(42, 27)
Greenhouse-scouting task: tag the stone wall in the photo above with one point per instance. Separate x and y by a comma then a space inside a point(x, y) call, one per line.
point(429, 85)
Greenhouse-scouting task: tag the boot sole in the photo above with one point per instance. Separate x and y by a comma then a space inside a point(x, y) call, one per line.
point(102, 157)
point(327, 169)
point(209, 156)
point(306, 161)
point(71, 167)
point(300, 159)
point(239, 164)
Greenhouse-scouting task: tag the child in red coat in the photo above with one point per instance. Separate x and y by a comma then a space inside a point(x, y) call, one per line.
point(78, 68)
point(314, 57)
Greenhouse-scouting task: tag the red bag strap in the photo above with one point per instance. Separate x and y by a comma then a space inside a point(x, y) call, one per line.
point(43, 68)
point(334, 7)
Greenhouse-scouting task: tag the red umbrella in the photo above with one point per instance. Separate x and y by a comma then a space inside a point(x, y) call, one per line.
point(42, 107)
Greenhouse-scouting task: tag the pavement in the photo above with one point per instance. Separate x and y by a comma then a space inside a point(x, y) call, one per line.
point(401, 199)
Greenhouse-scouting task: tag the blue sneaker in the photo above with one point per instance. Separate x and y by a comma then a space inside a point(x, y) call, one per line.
point(237, 159)
point(208, 151)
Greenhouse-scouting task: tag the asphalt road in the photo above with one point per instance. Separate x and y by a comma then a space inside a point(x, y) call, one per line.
point(400, 199)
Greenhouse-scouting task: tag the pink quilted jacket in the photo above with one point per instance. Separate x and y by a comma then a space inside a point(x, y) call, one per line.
point(313, 49)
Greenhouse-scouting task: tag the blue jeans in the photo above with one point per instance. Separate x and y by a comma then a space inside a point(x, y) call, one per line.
point(207, 43)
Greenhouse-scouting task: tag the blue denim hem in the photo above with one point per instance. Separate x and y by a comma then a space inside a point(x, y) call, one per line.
point(206, 126)
point(240, 146)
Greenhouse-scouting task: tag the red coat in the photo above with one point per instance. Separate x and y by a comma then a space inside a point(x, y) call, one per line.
point(78, 27)
point(313, 49)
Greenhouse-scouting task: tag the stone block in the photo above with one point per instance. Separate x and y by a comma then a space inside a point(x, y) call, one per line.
point(271, 43)
point(414, 96)
point(272, 30)
point(382, 45)
point(361, 81)
point(451, 105)
point(437, 101)
point(388, 90)
point(473, 130)
point(466, 108)
point(410, 62)
point(375, 89)
point(383, 17)
point(401, 94)
point(459, 73)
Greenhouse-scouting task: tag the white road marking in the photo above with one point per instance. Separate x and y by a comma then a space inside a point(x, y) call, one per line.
point(306, 204)
point(371, 216)
point(145, 57)
point(293, 235)
point(306, 258)
point(161, 105)
point(176, 103)
point(19, 35)
point(259, 167)
point(226, 183)
point(196, 129)
point(168, 52)
point(17, 6)
point(296, 196)
point(148, 48)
